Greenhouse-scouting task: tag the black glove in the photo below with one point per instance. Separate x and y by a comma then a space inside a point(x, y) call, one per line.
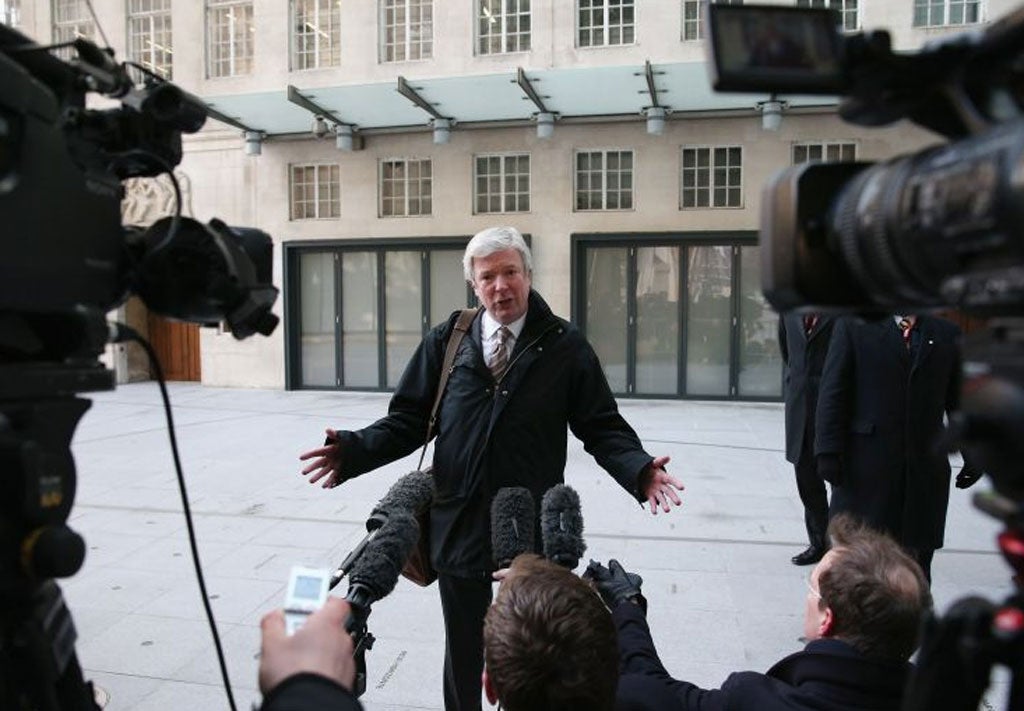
point(829, 468)
point(968, 476)
point(615, 585)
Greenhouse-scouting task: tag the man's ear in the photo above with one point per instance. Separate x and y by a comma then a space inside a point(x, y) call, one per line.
point(827, 623)
point(492, 696)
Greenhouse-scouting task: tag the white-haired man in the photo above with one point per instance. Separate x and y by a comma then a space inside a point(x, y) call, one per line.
point(520, 376)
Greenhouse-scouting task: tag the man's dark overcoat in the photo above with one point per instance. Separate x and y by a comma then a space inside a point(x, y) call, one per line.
point(826, 674)
point(803, 355)
point(490, 436)
point(881, 407)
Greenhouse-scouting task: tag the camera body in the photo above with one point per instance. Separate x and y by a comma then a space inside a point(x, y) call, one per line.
point(66, 260)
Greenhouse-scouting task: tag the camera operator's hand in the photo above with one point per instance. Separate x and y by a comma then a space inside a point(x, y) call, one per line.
point(615, 585)
point(321, 646)
point(830, 469)
point(326, 462)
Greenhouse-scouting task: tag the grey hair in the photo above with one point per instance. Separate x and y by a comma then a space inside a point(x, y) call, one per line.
point(495, 239)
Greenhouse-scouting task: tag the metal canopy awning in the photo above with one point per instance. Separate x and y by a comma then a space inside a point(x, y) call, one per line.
point(572, 94)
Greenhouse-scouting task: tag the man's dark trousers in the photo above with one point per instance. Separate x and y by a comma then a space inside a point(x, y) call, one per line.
point(813, 495)
point(465, 602)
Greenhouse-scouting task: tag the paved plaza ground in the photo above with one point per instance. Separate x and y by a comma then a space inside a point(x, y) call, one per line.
point(723, 594)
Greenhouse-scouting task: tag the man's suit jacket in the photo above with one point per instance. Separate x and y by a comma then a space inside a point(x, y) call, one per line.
point(803, 355)
point(827, 674)
point(880, 408)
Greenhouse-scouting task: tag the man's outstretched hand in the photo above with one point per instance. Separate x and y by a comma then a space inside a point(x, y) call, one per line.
point(615, 585)
point(658, 487)
point(326, 462)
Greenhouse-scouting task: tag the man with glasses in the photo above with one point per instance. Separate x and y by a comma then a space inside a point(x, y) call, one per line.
point(864, 605)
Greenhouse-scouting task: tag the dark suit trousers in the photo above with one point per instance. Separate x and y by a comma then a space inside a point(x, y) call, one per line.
point(814, 498)
point(464, 602)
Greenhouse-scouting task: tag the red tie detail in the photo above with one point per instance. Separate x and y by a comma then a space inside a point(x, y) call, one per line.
point(907, 326)
point(810, 321)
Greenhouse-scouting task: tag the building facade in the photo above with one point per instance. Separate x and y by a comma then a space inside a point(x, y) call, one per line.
point(372, 138)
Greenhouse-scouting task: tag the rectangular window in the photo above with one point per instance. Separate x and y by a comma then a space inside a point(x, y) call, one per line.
point(936, 13)
point(827, 152)
point(503, 26)
point(604, 23)
point(316, 34)
point(407, 30)
point(229, 37)
point(71, 20)
point(693, 17)
point(847, 10)
point(316, 192)
point(10, 12)
point(405, 187)
point(502, 183)
point(149, 35)
point(711, 177)
point(604, 180)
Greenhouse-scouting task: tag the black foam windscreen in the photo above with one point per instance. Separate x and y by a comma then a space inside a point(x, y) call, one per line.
point(561, 526)
point(378, 568)
point(410, 494)
point(512, 524)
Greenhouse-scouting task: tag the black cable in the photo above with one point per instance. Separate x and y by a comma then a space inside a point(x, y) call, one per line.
point(126, 333)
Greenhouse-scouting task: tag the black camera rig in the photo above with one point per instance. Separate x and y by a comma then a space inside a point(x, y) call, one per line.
point(66, 260)
point(942, 228)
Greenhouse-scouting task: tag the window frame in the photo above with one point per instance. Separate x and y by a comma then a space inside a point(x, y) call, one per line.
point(320, 57)
point(68, 29)
point(824, 146)
point(504, 196)
point(503, 35)
point(406, 43)
point(149, 18)
point(405, 160)
point(604, 152)
point(927, 6)
point(840, 6)
point(234, 57)
point(329, 209)
point(10, 13)
point(711, 186)
point(698, 22)
point(605, 26)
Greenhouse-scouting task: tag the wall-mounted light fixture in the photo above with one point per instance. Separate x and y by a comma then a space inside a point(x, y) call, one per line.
point(343, 140)
point(655, 119)
point(442, 130)
point(253, 142)
point(319, 127)
point(545, 124)
point(771, 113)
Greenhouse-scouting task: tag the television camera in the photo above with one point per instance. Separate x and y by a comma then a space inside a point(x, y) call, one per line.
point(942, 228)
point(65, 262)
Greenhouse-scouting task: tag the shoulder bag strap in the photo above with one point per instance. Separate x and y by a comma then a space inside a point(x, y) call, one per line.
point(460, 330)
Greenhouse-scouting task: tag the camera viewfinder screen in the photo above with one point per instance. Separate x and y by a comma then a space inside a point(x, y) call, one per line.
point(307, 587)
point(777, 49)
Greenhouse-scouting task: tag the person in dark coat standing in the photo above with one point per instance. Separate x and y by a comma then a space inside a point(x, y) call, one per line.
point(884, 390)
point(864, 607)
point(803, 342)
point(520, 377)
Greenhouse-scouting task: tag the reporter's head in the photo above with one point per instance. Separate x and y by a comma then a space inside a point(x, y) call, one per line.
point(549, 642)
point(867, 592)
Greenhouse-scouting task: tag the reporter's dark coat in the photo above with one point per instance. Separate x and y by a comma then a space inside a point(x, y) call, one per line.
point(827, 674)
point(803, 356)
point(881, 410)
point(488, 437)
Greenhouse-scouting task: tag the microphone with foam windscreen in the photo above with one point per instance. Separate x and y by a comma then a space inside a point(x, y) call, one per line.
point(410, 495)
point(512, 524)
point(561, 526)
point(375, 574)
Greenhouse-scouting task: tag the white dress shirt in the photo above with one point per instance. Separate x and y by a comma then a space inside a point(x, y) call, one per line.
point(489, 335)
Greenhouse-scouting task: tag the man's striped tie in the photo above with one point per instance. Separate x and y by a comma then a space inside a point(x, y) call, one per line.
point(499, 356)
